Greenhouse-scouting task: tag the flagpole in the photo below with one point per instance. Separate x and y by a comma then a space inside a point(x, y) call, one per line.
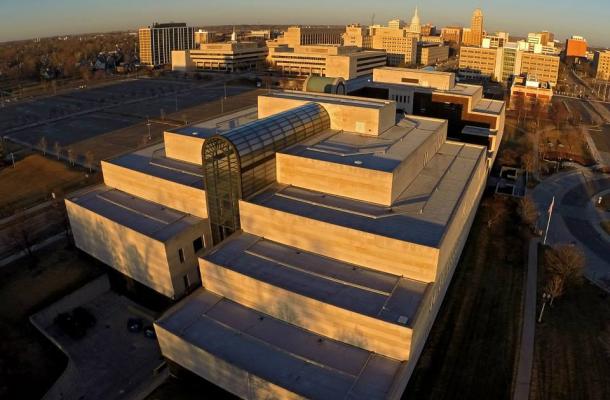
point(548, 222)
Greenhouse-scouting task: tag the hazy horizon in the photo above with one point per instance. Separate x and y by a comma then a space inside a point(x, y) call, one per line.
point(28, 19)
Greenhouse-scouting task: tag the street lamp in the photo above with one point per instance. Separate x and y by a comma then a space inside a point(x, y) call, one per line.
point(545, 297)
point(148, 126)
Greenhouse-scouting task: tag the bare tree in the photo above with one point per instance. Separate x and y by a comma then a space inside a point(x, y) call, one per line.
point(497, 210)
point(57, 149)
point(508, 157)
point(89, 160)
point(555, 287)
point(528, 211)
point(20, 236)
point(43, 145)
point(564, 264)
point(528, 162)
point(71, 156)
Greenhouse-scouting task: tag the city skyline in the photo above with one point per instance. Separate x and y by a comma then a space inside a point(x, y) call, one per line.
point(51, 19)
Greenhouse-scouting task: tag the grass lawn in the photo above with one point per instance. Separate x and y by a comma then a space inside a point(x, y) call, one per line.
point(570, 361)
point(33, 179)
point(29, 363)
point(472, 347)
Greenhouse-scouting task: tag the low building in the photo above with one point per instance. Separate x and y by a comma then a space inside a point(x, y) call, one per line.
point(525, 91)
point(437, 95)
point(601, 63)
point(228, 56)
point(430, 53)
point(332, 61)
point(452, 34)
point(204, 37)
point(398, 41)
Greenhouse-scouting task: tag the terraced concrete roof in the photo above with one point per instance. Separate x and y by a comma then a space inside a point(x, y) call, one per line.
point(376, 294)
point(419, 215)
point(298, 360)
point(148, 218)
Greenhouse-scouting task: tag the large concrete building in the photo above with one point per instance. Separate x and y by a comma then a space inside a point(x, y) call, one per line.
point(471, 118)
point(296, 36)
point(324, 233)
point(576, 47)
point(499, 64)
point(601, 63)
point(333, 61)
point(452, 34)
point(226, 56)
point(431, 53)
point(398, 40)
point(159, 40)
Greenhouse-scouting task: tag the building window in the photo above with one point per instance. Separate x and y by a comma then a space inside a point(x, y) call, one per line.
point(181, 255)
point(187, 284)
point(198, 244)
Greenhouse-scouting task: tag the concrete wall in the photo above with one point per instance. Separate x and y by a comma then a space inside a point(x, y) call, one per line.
point(366, 120)
point(214, 369)
point(436, 80)
point(183, 147)
point(369, 333)
point(451, 249)
point(181, 61)
point(411, 166)
point(174, 195)
point(332, 178)
point(350, 245)
point(129, 252)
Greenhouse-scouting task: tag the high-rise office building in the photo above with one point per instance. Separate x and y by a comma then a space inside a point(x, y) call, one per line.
point(473, 36)
point(158, 41)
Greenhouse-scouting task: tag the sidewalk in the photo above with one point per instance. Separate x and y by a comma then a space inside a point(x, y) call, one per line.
point(528, 329)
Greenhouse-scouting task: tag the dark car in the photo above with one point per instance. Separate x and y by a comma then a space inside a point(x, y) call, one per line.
point(84, 317)
point(70, 326)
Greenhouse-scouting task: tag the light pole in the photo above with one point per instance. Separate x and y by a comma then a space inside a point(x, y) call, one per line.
point(545, 297)
point(148, 126)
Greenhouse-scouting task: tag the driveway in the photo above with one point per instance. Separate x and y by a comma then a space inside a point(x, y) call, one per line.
point(576, 219)
point(109, 362)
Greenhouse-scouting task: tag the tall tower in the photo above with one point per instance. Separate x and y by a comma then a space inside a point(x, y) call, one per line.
point(415, 26)
point(476, 26)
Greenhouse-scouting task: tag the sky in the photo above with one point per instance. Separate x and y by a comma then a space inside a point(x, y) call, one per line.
point(25, 19)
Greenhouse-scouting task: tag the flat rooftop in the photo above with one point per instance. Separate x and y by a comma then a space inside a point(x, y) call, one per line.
point(489, 106)
point(381, 153)
point(420, 214)
point(298, 360)
point(331, 99)
point(148, 218)
point(372, 293)
point(152, 161)
point(207, 128)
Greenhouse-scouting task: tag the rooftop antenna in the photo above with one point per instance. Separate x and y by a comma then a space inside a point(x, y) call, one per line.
point(373, 19)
